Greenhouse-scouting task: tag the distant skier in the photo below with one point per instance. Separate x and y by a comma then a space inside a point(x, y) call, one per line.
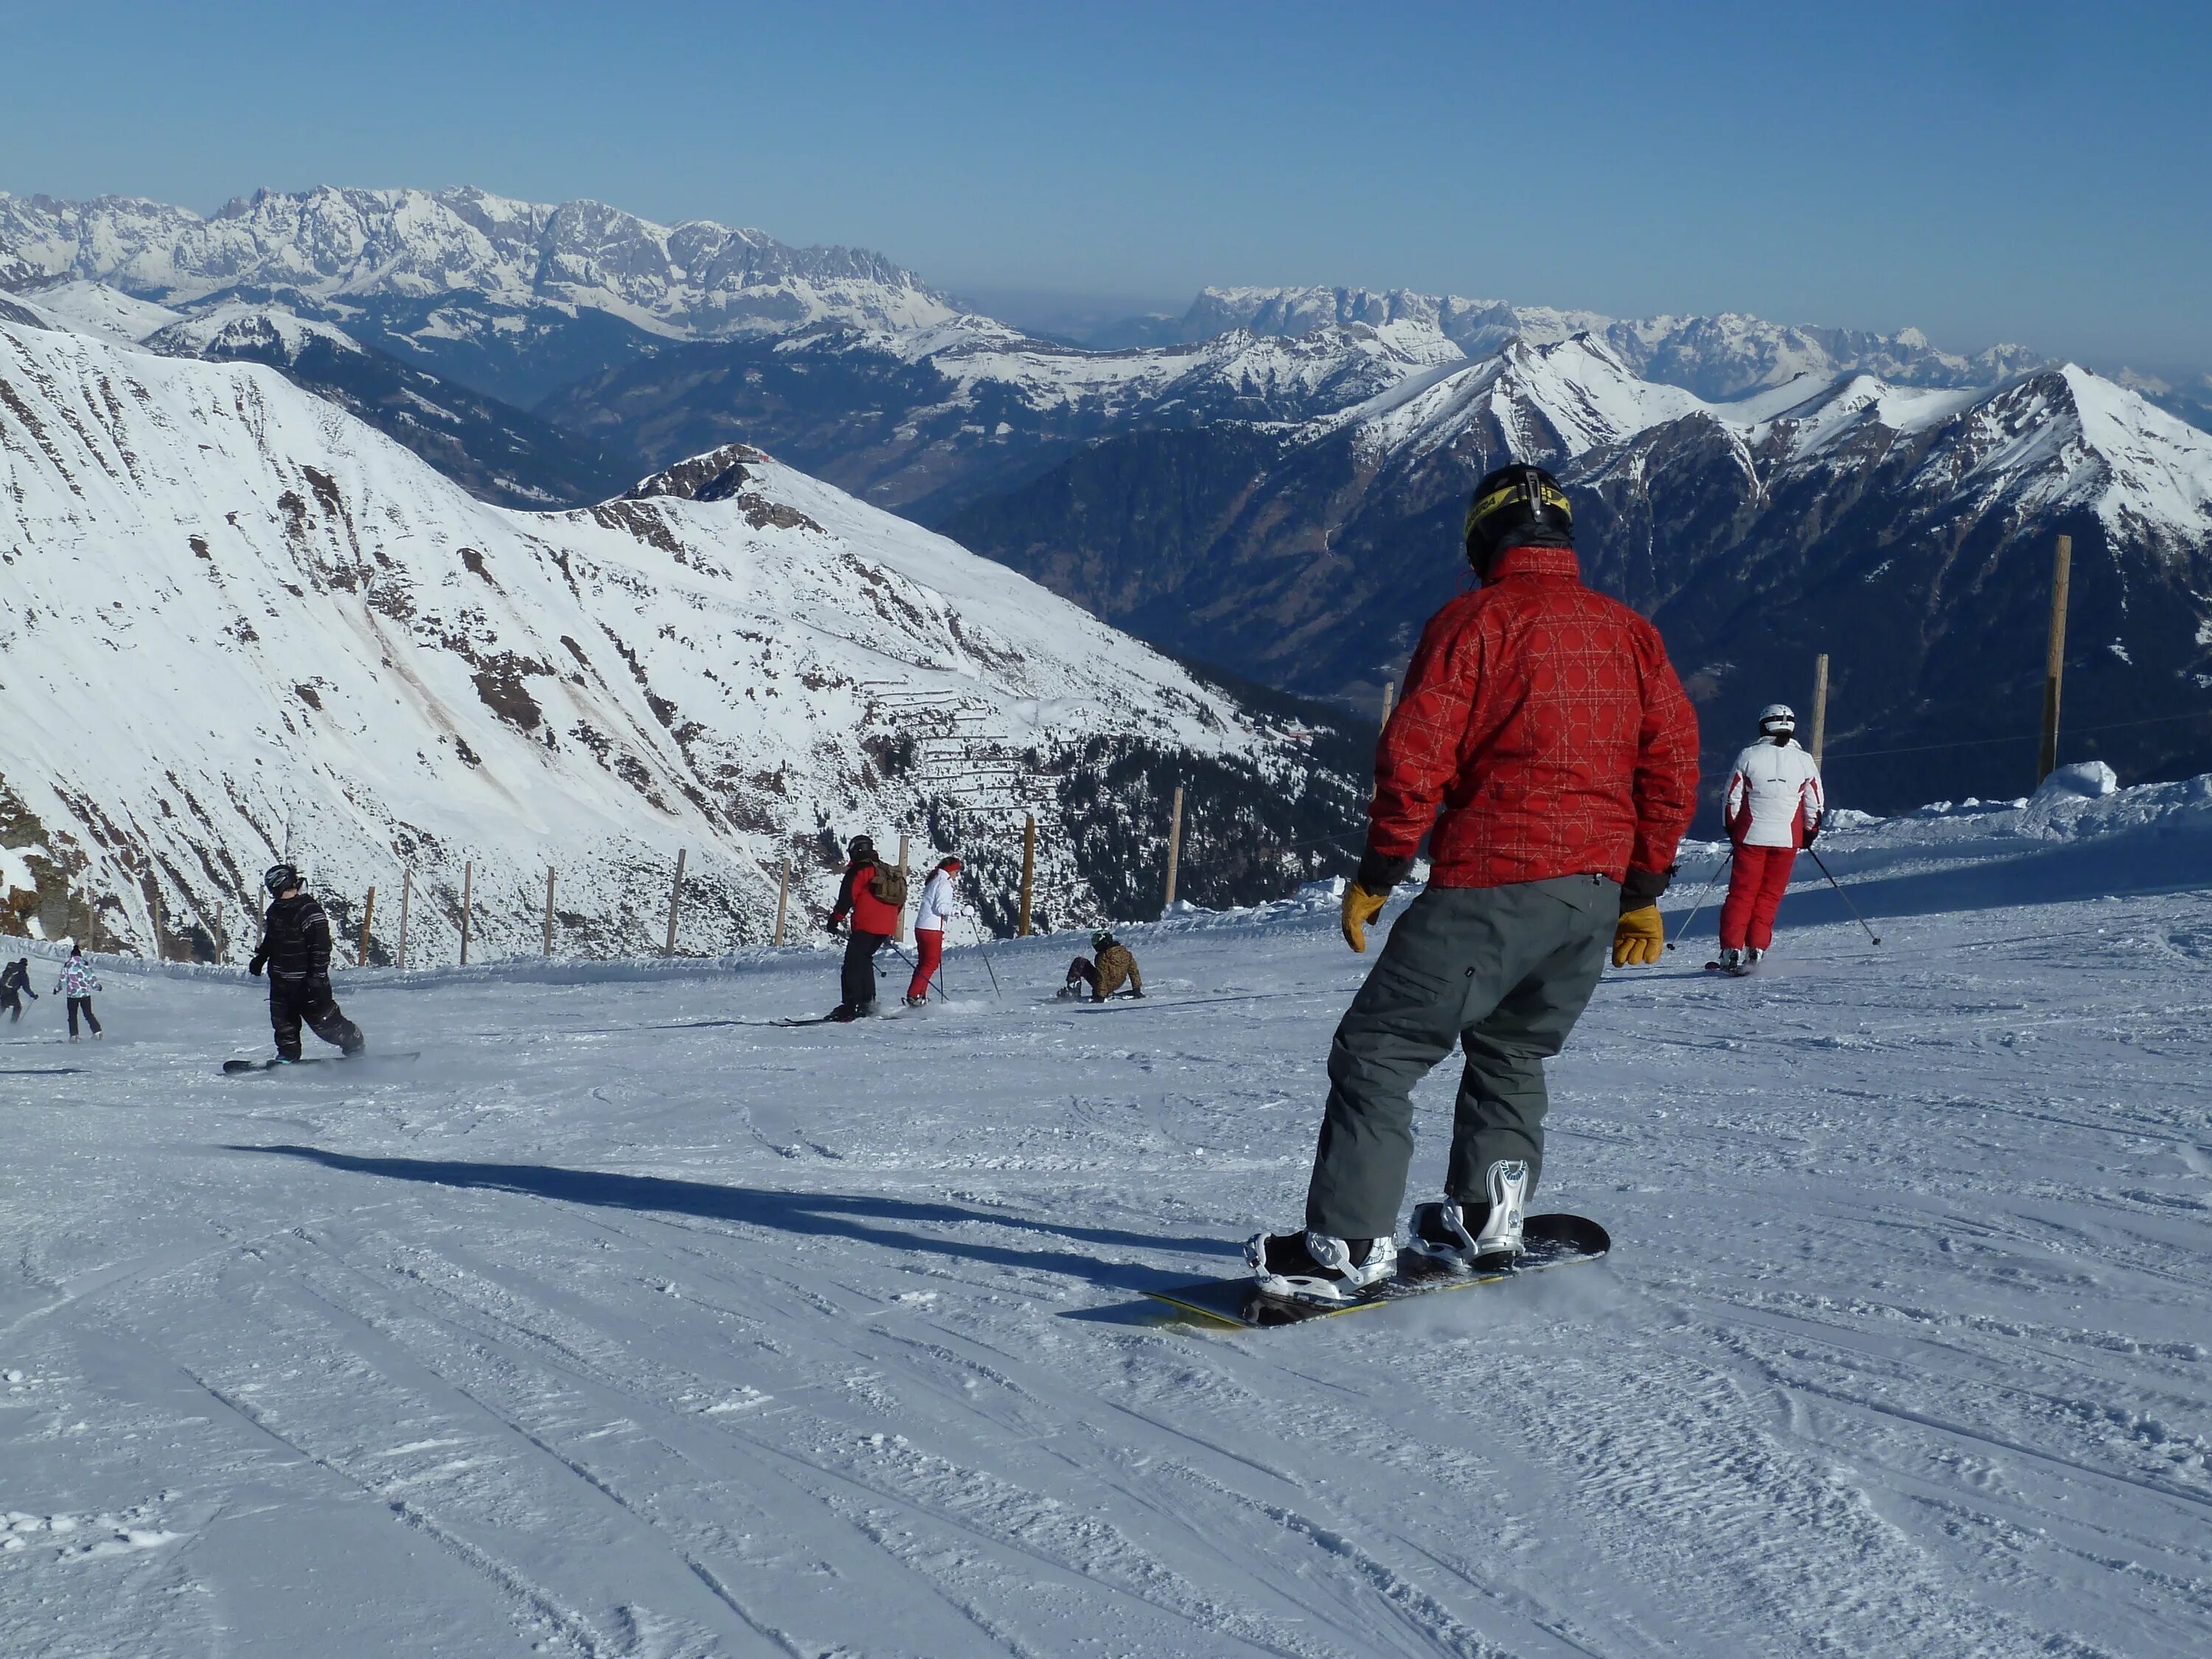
point(296, 949)
point(1545, 747)
point(15, 985)
point(77, 984)
point(1105, 971)
point(1773, 806)
point(940, 902)
point(873, 895)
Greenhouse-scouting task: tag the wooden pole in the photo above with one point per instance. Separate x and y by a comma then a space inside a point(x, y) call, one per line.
point(406, 893)
point(1174, 845)
point(220, 948)
point(549, 909)
point(782, 901)
point(675, 894)
point(1029, 870)
point(1819, 705)
point(2054, 661)
point(368, 915)
point(468, 886)
point(902, 876)
point(161, 954)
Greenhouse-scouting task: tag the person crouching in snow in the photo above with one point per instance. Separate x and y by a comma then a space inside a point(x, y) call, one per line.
point(1773, 806)
point(940, 902)
point(871, 895)
point(1546, 749)
point(1104, 971)
point(295, 949)
point(77, 984)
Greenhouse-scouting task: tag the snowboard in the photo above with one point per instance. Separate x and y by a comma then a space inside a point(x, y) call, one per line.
point(1550, 1241)
point(240, 1067)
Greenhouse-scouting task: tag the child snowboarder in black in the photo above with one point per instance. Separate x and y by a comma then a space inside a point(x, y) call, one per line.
point(296, 949)
point(15, 985)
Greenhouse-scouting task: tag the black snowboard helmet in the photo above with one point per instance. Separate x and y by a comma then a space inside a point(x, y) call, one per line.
point(280, 878)
point(1101, 940)
point(861, 846)
point(1516, 506)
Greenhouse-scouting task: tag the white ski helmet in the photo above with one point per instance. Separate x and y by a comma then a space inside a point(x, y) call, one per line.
point(1777, 716)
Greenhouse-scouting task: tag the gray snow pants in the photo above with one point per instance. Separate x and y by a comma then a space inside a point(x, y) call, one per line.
point(1505, 972)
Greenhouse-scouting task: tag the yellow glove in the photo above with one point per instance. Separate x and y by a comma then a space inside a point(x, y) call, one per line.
point(1360, 907)
point(1638, 937)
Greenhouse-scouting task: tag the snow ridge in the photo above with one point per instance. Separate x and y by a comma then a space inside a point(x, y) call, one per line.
point(235, 619)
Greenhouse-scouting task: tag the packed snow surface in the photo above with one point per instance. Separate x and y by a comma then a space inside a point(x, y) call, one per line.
point(620, 1323)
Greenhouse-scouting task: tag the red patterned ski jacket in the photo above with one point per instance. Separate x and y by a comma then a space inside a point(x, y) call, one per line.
point(1544, 722)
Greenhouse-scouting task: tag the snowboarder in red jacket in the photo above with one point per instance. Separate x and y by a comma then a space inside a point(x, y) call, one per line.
point(874, 920)
point(1545, 749)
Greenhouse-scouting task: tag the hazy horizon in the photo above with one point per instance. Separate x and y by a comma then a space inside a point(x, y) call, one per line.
point(1982, 172)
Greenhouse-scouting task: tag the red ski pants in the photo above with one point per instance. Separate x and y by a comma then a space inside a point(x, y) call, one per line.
point(1756, 885)
point(929, 952)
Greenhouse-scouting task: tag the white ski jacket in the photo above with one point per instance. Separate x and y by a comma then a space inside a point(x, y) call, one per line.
point(939, 903)
point(76, 980)
point(1773, 796)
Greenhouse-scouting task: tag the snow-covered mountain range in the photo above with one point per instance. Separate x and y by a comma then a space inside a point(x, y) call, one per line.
point(233, 618)
point(1906, 530)
point(697, 279)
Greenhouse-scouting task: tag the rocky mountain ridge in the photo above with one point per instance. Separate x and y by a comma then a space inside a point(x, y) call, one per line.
point(234, 620)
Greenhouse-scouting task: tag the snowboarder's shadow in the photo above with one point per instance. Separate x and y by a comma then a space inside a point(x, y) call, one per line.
point(862, 1217)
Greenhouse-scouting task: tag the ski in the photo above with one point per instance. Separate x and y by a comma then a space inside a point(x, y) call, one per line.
point(244, 1068)
point(1550, 1241)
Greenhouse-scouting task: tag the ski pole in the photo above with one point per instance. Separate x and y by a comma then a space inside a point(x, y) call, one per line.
point(988, 968)
point(1703, 893)
point(1846, 897)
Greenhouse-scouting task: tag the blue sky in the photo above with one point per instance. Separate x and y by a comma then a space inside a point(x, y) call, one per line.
point(2034, 172)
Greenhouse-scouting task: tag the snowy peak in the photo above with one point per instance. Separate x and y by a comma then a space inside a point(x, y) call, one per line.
point(696, 279)
point(1717, 357)
point(323, 630)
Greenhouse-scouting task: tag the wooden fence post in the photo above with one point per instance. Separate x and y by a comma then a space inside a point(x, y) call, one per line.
point(406, 893)
point(549, 909)
point(2054, 660)
point(675, 895)
point(160, 953)
point(1175, 846)
point(1029, 870)
point(468, 886)
point(220, 948)
point(902, 876)
point(368, 915)
point(1819, 705)
point(782, 901)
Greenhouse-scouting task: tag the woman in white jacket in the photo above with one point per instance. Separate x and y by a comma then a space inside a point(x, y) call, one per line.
point(1773, 807)
point(940, 902)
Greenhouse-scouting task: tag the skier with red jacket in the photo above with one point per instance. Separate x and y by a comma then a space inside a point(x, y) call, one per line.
point(871, 895)
point(1546, 750)
point(1773, 806)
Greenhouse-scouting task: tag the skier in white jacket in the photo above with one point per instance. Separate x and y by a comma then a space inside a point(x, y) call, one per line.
point(940, 902)
point(1773, 806)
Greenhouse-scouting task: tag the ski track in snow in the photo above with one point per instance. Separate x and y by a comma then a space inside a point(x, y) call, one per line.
point(609, 1329)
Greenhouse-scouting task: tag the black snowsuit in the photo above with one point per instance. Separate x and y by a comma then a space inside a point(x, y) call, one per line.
point(15, 985)
point(857, 982)
point(296, 949)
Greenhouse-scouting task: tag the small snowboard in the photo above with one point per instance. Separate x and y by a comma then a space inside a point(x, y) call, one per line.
point(239, 1067)
point(1550, 1241)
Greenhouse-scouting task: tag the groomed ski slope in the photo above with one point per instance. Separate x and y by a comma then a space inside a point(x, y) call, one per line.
point(604, 1330)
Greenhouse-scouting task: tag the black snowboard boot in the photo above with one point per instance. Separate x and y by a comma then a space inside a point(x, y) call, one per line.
point(1312, 1267)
